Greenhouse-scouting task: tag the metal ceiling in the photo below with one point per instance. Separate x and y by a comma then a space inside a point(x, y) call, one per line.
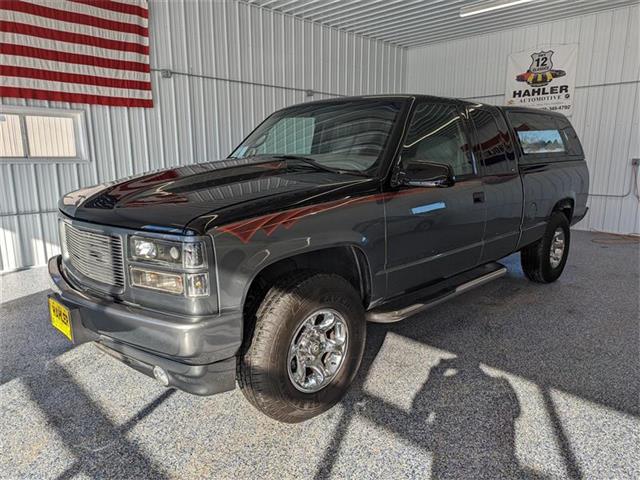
point(411, 23)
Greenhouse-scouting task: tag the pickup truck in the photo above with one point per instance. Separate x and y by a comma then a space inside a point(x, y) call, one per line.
point(262, 269)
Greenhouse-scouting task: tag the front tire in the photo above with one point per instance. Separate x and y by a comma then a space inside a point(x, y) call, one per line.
point(306, 347)
point(544, 260)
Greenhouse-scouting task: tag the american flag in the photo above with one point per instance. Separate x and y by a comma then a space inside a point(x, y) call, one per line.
point(79, 51)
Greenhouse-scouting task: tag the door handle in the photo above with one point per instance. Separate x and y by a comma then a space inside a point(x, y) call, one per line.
point(478, 197)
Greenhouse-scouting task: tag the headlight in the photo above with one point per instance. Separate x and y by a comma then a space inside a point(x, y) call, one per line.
point(180, 258)
point(186, 255)
point(193, 255)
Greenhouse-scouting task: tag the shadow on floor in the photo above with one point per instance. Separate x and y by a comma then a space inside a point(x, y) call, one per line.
point(27, 339)
point(463, 416)
point(99, 447)
point(28, 344)
point(578, 336)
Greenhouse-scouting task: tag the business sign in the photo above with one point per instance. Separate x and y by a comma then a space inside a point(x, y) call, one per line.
point(543, 78)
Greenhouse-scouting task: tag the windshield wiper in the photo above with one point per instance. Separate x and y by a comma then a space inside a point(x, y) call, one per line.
point(317, 165)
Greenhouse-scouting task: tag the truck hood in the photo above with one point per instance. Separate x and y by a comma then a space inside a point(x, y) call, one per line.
point(194, 198)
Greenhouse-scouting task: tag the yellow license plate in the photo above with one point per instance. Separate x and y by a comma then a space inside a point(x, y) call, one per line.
point(60, 318)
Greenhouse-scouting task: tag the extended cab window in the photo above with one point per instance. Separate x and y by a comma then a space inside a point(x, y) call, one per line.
point(570, 137)
point(539, 136)
point(436, 135)
point(493, 143)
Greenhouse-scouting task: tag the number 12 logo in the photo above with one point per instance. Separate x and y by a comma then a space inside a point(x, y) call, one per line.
point(541, 62)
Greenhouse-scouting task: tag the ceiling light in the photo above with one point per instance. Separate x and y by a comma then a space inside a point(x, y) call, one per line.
point(488, 6)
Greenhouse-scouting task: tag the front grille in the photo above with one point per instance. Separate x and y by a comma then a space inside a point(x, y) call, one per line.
point(97, 256)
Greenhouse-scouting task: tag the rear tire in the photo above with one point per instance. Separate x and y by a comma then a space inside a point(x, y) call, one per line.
point(267, 370)
point(539, 263)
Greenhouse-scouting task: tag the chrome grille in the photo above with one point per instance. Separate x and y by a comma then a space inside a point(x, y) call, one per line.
point(96, 256)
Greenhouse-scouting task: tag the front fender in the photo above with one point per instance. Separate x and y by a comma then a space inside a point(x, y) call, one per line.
point(244, 249)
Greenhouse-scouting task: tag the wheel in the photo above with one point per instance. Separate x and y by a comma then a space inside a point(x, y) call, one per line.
point(306, 347)
point(544, 260)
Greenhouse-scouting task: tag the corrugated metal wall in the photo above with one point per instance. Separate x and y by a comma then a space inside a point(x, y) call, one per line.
point(196, 117)
point(607, 101)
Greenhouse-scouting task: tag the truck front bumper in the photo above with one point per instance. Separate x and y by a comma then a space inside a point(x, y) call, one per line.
point(196, 353)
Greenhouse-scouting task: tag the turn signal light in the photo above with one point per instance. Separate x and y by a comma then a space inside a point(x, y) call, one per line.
point(161, 281)
point(197, 284)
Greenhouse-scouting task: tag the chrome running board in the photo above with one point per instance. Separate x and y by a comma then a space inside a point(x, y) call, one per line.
point(382, 315)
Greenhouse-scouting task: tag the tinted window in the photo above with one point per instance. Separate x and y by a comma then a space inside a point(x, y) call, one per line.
point(436, 135)
point(348, 135)
point(290, 136)
point(538, 134)
point(541, 141)
point(570, 137)
point(494, 146)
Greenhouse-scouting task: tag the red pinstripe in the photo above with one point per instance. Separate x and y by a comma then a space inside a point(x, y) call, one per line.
point(245, 230)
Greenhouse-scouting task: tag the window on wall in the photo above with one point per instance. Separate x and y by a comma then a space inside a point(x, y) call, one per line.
point(42, 135)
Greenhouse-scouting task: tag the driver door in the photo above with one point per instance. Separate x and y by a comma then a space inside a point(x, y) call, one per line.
point(434, 232)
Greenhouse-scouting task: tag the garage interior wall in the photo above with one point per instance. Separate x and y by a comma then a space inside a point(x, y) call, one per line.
point(196, 117)
point(606, 104)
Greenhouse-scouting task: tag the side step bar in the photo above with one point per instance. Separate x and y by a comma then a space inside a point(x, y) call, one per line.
point(391, 314)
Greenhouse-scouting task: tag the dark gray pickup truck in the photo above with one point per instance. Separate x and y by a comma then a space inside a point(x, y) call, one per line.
point(263, 268)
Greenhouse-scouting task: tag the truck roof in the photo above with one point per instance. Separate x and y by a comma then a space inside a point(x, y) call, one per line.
point(510, 108)
point(395, 96)
point(392, 96)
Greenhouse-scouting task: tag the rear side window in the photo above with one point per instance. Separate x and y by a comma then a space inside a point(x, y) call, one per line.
point(493, 144)
point(541, 141)
point(539, 135)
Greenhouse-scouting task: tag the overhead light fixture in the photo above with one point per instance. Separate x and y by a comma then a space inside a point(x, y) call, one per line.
point(488, 6)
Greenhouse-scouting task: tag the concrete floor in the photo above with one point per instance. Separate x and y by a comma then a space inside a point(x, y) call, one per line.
point(512, 380)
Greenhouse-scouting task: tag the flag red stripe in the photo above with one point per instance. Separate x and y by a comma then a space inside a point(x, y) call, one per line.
point(34, 31)
point(116, 7)
point(73, 17)
point(10, 49)
point(26, 72)
point(73, 97)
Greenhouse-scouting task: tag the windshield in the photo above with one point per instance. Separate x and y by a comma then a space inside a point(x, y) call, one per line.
point(346, 136)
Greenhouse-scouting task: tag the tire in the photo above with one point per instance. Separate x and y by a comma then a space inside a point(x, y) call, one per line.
point(265, 364)
point(536, 260)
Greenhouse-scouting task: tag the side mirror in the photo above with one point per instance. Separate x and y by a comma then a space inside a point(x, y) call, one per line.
point(426, 174)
